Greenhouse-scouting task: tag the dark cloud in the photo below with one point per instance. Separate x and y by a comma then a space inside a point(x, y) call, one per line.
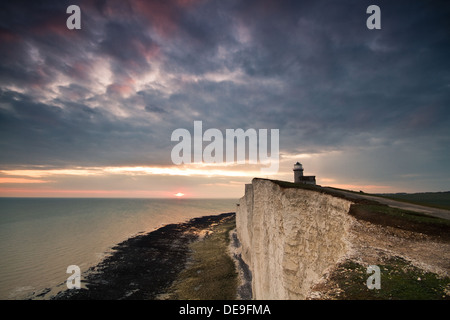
point(36, 133)
point(114, 91)
point(155, 109)
point(129, 46)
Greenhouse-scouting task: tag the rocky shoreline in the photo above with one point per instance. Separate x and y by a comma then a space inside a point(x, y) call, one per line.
point(144, 266)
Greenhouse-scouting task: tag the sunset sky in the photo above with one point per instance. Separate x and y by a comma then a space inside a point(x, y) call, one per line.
point(90, 112)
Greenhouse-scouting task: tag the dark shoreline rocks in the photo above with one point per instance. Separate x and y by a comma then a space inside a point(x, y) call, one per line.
point(144, 266)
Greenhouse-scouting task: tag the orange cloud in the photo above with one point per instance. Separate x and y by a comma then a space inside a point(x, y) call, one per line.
point(21, 180)
point(36, 173)
point(123, 90)
point(30, 192)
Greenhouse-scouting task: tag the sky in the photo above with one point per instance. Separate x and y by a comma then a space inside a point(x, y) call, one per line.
point(90, 112)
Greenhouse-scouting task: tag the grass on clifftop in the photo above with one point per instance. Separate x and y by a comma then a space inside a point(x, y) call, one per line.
point(431, 199)
point(381, 214)
point(399, 280)
point(402, 219)
point(317, 188)
point(287, 184)
point(211, 273)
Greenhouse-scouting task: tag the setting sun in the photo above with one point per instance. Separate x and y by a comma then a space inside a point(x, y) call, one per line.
point(179, 194)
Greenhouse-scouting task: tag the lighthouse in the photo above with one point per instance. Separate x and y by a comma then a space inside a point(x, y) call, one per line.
point(300, 178)
point(298, 172)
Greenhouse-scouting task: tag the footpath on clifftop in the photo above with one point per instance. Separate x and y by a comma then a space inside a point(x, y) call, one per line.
point(435, 212)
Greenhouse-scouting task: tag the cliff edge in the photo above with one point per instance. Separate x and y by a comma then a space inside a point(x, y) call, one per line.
point(306, 243)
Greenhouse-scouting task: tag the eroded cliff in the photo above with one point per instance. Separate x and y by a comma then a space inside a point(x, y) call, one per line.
point(290, 237)
point(295, 239)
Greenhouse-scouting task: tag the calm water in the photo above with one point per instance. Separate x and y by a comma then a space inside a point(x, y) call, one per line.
point(40, 238)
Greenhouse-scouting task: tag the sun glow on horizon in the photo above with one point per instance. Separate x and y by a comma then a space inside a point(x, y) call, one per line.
point(179, 194)
point(195, 169)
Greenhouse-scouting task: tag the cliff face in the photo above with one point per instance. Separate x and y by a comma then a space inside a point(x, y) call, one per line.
point(310, 243)
point(290, 237)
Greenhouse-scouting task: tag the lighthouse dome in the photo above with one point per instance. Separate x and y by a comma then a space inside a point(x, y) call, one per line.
point(298, 166)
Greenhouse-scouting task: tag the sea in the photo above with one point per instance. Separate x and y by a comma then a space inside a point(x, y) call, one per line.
point(41, 237)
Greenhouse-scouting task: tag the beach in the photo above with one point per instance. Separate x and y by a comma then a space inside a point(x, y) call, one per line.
point(146, 266)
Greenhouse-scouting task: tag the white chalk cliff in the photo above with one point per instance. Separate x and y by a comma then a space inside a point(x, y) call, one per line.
point(291, 237)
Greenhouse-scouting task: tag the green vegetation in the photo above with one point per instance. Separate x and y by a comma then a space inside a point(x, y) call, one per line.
point(399, 281)
point(380, 209)
point(432, 199)
point(211, 275)
point(402, 219)
point(384, 215)
point(327, 190)
point(287, 184)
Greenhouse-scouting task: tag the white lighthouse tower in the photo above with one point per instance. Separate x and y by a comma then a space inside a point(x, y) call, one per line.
point(298, 172)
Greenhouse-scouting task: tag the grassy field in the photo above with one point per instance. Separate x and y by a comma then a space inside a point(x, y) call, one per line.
point(407, 220)
point(433, 199)
point(399, 280)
